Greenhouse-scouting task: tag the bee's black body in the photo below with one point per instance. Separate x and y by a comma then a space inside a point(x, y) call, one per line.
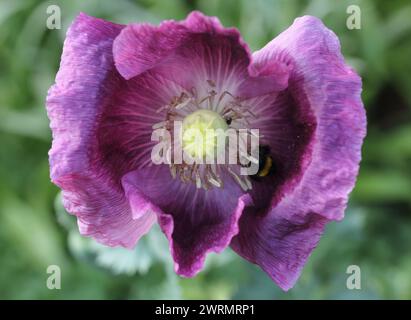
point(265, 163)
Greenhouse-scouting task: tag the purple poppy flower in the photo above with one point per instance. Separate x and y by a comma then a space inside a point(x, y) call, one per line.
point(116, 83)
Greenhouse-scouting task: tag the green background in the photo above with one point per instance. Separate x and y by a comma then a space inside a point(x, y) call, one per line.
point(36, 232)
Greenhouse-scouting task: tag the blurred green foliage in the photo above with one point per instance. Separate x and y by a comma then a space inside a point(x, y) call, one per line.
point(36, 232)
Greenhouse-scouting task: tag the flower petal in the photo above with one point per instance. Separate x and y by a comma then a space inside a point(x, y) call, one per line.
point(194, 51)
point(141, 47)
point(264, 79)
point(126, 125)
point(83, 89)
point(332, 91)
point(280, 246)
point(86, 77)
point(321, 83)
point(287, 127)
point(103, 212)
point(195, 221)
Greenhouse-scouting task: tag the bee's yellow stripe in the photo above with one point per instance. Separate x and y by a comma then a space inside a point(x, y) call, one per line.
point(267, 166)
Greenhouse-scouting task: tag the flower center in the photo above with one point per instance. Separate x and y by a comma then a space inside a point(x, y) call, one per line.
point(205, 121)
point(204, 134)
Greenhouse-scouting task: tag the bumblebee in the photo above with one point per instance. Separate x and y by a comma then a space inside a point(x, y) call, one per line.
point(265, 163)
